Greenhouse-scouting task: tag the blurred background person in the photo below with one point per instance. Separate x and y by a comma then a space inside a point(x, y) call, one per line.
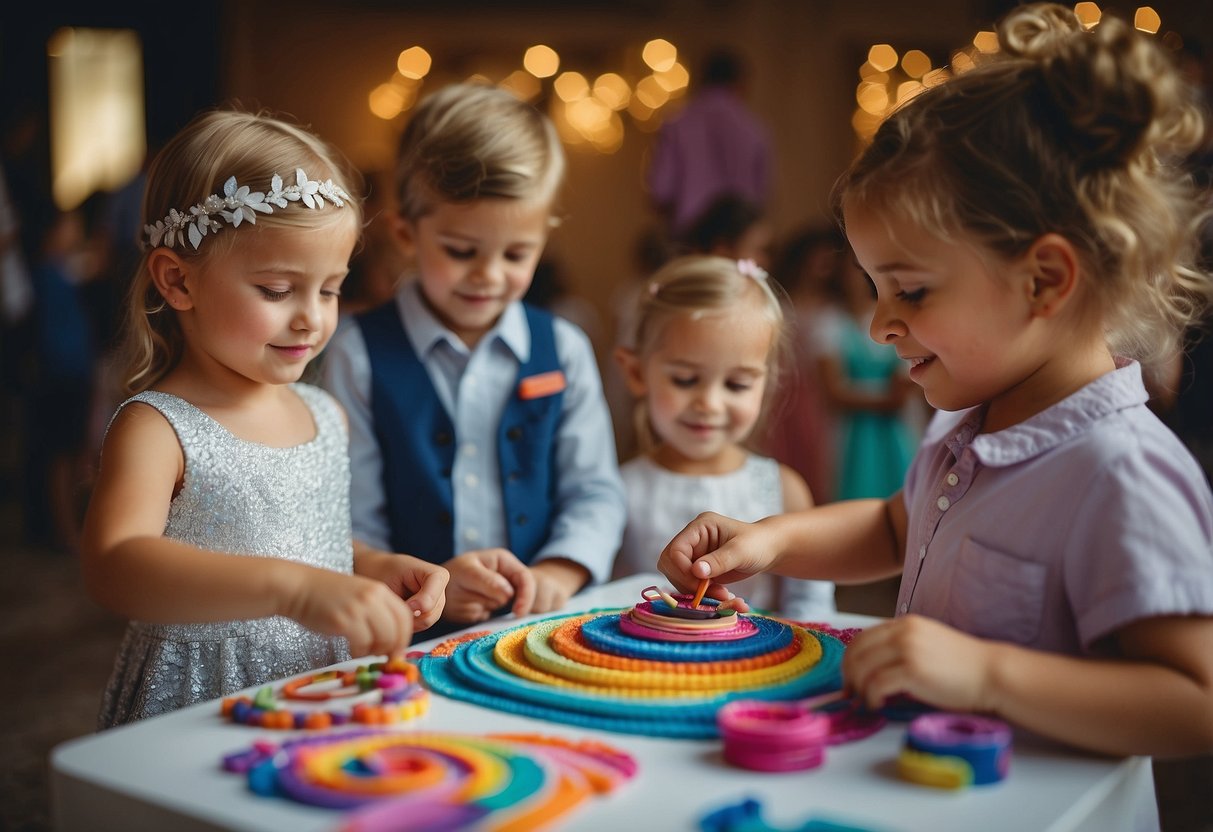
point(732, 226)
point(801, 430)
point(715, 146)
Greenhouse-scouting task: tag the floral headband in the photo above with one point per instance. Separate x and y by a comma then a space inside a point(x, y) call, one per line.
point(747, 267)
point(237, 204)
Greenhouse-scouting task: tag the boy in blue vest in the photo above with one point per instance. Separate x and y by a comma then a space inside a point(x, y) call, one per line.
point(479, 434)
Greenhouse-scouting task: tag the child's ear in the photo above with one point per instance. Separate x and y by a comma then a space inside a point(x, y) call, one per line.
point(169, 272)
point(1053, 272)
point(404, 234)
point(633, 372)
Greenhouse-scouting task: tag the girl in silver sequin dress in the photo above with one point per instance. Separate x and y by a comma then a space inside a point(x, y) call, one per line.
point(220, 520)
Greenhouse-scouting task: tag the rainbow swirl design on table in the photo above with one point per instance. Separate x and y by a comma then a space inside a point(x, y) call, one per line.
point(435, 781)
point(586, 670)
point(375, 694)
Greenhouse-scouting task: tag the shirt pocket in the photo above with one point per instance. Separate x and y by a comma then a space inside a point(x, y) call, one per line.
point(995, 595)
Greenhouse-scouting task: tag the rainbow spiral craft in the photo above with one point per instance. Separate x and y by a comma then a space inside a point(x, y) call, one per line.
point(435, 781)
point(627, 671)
point(375, 694)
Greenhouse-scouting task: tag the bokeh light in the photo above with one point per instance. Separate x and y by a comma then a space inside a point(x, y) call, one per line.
point(414, 62)
point(1147, 20)
point(541, 60)
point(882, 57)
point(659, 54)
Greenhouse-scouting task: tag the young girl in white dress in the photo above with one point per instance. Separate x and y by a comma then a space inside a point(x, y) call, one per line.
point(220, 522)
point(709, 332)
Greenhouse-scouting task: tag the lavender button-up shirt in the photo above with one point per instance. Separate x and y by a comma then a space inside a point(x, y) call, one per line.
point(1062, 529)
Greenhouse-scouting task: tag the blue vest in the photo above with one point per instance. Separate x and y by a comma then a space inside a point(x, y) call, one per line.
point(417, 442)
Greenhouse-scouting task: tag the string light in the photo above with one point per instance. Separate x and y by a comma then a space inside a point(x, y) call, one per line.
point(1147, 20)
point(1088, 14)
point(414, 63)
point(586, 115)
point(541, 61)
point(886, 81)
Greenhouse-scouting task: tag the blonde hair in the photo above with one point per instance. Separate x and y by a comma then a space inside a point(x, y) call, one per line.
point(697, 286)
point(194, 164)
point(471, 141)
point(1081, 133)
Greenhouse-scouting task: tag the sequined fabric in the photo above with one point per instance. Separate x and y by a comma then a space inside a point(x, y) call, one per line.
point(244, 498)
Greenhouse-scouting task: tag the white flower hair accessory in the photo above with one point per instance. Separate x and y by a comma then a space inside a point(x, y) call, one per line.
point(752, 270)
point(237, 204)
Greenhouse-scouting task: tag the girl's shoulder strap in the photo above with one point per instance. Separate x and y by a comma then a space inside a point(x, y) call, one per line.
point(324, 407)
point(185, 419)
point(174, 409)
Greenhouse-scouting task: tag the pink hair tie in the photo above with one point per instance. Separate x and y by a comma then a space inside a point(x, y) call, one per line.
point(752, 270)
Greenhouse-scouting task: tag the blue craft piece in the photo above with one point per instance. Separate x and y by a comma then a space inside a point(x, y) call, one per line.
point(746, 816)
point(263, 778)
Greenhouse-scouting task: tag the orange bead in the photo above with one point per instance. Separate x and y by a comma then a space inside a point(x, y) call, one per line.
point(318, 719)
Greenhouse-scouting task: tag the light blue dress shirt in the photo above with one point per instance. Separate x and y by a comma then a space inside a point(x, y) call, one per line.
point(474, 385)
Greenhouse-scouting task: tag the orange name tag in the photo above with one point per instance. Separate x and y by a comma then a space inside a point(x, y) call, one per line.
point(544, 384)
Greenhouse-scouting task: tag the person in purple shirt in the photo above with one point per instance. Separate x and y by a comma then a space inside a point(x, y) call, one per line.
point(1030, 242)
point(715, 147)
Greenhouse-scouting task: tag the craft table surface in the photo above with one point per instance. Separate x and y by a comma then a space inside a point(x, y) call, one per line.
point(164, 773)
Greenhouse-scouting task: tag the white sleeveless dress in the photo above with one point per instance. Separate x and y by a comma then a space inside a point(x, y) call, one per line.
point(244, 498)
point(661, 502)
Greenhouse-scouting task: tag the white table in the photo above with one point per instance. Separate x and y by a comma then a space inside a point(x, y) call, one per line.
point(164, 773)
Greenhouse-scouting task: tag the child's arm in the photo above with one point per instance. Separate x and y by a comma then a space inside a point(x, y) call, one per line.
point(854, 541)
point(1155, 699)
point(422, 584)
point(556, 580)
point(131, 568)
point(485, 580)
point(590, 512)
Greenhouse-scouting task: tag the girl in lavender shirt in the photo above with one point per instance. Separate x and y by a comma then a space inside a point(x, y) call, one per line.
point(1028, 230)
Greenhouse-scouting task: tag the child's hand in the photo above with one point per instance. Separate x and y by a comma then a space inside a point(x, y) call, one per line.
point(373, 618)
point(717, 547)
point(421, 584)
point(556, 579)
point(483, 581)
point(922, 658)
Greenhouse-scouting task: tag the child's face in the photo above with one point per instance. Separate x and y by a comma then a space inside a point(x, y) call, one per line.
point(965, 330)
point(474, 259)
point(268, 306)
point(704, 380)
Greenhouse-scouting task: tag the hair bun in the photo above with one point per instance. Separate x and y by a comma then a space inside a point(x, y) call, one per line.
point(1038, 31)
point(1114, 90)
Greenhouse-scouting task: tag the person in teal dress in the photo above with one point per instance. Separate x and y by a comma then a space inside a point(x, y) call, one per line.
point(869, 388)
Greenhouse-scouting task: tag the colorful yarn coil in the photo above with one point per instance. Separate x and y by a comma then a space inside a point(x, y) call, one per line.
point(386, 692)
point(582, 670)
point(955, 750)
point(394, 780)
point(788, 736)
point(773, 736)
